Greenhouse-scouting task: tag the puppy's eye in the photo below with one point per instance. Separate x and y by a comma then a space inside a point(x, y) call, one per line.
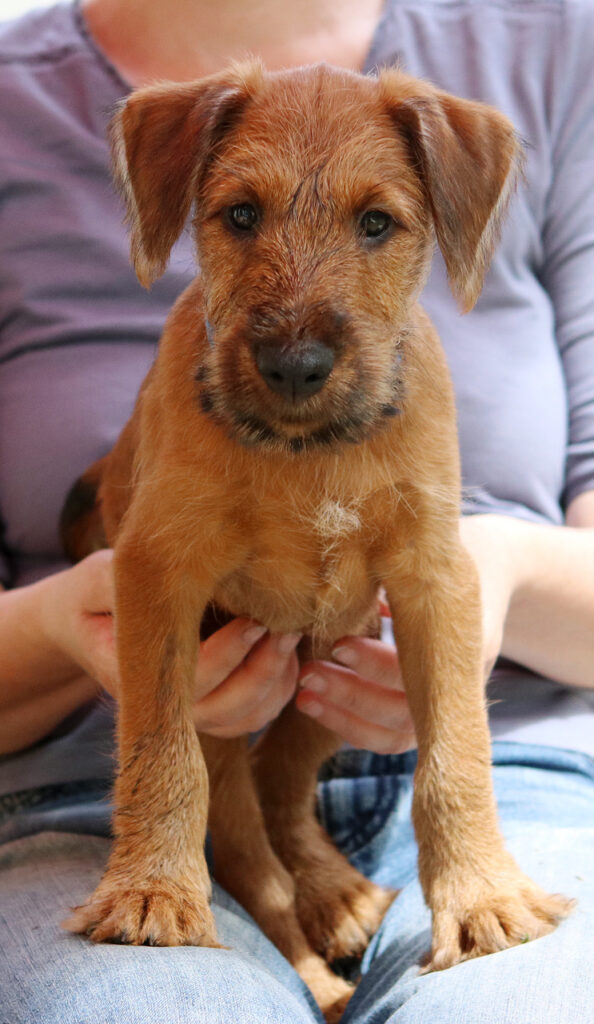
point(376, 223)
point(243, 216)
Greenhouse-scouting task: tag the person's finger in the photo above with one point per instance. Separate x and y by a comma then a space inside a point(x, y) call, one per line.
point(347, 690)
point(224, 651)
point(254, 693)
point(357, 731)
point(260, 714)
point(371, 659)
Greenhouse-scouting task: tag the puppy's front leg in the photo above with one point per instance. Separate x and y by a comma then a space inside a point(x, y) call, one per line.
point(480, 900)
point(156, 887)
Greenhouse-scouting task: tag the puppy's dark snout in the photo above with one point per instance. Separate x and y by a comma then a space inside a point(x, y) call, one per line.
point(295, 371)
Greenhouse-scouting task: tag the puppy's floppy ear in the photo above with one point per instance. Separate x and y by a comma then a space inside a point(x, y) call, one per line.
point(161, 138)
point(470, 159)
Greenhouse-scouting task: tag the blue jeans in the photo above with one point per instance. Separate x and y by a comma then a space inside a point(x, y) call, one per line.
point(546, 802)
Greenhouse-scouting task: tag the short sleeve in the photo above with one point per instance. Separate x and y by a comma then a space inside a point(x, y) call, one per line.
point(568, 271)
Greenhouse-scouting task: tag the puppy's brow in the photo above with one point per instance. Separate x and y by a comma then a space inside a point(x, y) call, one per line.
point(229, 183)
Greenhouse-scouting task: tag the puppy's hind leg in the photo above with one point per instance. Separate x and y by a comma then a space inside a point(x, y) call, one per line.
point(81, 524)
point(339, 909)
point(248, 868)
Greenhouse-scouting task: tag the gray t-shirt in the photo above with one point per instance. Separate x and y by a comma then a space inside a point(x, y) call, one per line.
point(77, 332)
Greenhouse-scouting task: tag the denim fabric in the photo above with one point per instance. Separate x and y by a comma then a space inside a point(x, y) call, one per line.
point(81, 807)
point(546, 802)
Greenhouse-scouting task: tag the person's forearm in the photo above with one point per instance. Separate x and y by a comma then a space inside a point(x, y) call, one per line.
point(550, 623)
point(31, 662)
point(39, 684)
point(27, 721)
point(549, 573)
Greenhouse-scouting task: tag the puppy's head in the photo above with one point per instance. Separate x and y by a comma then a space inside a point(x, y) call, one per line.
point(316, 195)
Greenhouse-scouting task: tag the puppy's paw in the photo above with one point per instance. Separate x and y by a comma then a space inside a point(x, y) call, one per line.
point(335, 1007)
point(340, 916)
point(330, 992)
point(159, 912)
point(497, 918)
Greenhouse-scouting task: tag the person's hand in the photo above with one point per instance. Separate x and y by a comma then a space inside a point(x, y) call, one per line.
point(244, 676)
point(76, 608)
point(364, 701)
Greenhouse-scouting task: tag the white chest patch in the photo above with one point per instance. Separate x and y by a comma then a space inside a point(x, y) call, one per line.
point(334, 522)
point(336, 525)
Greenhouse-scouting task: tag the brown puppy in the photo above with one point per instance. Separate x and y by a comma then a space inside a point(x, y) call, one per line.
point(294, 447)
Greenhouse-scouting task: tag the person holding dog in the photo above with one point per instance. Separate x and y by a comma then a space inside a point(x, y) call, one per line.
point(523, 366)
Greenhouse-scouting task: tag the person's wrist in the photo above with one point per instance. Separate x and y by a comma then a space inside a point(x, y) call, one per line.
point(496, 544)
point(522, 555)
point(509, 539)
point(531, 543)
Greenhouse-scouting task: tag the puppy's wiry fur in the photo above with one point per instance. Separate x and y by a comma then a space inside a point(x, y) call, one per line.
point(294, 510)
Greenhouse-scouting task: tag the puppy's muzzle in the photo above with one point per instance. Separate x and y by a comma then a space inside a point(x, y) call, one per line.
point(294, 371)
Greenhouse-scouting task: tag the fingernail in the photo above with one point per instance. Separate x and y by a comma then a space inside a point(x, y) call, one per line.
point(253, 633)
point(313, 682)
point(287, 642)
point(311, 708)
point(346, 655)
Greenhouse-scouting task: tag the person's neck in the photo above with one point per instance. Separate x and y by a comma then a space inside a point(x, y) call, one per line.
point(184, 39)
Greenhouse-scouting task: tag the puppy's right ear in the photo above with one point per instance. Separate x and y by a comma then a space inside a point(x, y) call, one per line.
point(161, 139)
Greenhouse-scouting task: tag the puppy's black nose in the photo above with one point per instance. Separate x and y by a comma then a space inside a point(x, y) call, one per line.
point(295, 371)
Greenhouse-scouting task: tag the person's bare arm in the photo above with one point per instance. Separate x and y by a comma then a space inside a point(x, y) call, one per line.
point(57, 652)
point(538, 596)
point(538, 590)
point(42, 679)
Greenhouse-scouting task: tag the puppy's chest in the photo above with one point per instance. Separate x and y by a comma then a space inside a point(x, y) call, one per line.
point(307, 570)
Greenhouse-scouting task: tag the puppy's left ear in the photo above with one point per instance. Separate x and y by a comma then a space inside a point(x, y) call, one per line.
point(469, 159)
point(161, 139)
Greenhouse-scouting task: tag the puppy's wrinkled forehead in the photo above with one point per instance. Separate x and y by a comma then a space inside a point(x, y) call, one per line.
point(317, 136)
